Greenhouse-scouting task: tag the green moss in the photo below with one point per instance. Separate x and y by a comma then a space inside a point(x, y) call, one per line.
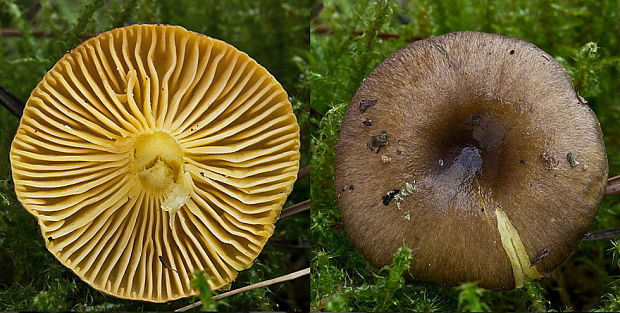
point(469, 299)
point(205, 294)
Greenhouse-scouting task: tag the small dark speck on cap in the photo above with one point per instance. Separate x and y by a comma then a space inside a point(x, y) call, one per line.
point(523, 162)
point(512, 52)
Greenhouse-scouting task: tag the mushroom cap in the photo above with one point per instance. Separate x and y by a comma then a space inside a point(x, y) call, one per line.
point(464, 147)
point(151, 151)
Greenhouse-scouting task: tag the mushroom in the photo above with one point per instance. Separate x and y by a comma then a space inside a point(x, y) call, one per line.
point(480, 130)
point(150, 151)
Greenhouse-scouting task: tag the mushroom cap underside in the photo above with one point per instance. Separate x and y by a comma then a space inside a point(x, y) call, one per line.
point(450, 131)
point(151, 151)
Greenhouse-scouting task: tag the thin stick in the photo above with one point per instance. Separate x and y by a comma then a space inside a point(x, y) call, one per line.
point(276, 280)
point(385, 36)
point(613, 186)
point(38, 33)
point(303, 172)
point(315, 113)
point(14, 32)
point(11, 102)
point(603, 234)
point(327, 30)
point(295, 208)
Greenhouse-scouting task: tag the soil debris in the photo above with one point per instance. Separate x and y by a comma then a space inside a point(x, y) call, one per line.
point(571, 159)
point(376, 142)
point(581, 99)
point(389, 196)
point(549, 160)
point(365, 104)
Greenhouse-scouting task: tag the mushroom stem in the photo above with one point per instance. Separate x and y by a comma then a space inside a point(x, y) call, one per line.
point(177, 197)
point(158, 163)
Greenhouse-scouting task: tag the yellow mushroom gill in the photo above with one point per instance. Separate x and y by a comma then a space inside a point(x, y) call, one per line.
point(150, 151)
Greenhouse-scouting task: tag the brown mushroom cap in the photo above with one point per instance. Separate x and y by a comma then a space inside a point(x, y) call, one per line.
point(466, 147)
point(149, 152)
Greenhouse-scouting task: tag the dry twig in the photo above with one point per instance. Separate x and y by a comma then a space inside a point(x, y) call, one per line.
point(613, 186)
point(602, 234)
point(295, 208)
point(38, 33)
point(11, 102)
point(276, 280)
point(14, 32)
point(322, 30)
point(303, 172)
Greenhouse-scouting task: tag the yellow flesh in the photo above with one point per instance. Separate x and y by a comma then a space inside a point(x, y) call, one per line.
point(152, 142)
point(158, 163)
point(515, 250)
